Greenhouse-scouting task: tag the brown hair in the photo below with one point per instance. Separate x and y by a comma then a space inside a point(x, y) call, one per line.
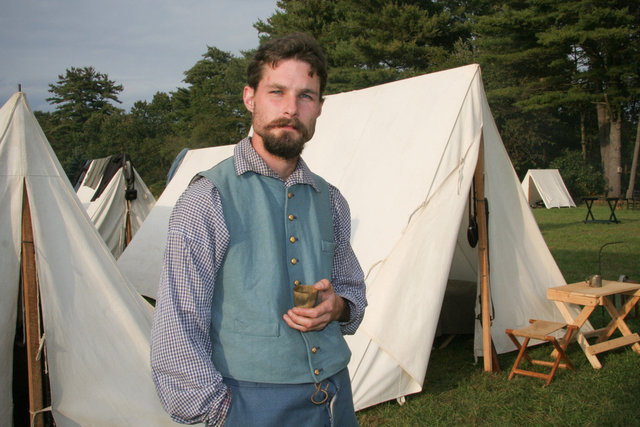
point(300, 46)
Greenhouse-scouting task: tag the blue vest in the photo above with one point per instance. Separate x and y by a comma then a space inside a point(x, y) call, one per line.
point(279, 236)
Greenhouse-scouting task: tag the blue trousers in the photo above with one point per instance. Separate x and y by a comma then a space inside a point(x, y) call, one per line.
point(327, 404)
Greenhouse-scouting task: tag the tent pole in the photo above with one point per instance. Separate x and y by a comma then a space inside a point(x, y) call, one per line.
point(483, 259)
point(31, 313)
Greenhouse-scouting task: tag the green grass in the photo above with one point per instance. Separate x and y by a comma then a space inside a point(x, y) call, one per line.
point(458, 392)
point(575, 245)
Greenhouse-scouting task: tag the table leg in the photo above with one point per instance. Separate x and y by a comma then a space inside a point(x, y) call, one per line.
point(579, 321)
point(589, 203)
point(612, 217)
point(617, 320)
point(592, 358)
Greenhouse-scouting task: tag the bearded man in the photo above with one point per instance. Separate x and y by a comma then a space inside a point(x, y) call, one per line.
point(259, 281)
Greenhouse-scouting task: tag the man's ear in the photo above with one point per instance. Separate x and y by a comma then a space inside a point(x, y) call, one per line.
point(247, 97)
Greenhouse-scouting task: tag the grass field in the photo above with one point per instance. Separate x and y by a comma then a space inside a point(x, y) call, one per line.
point(458, 392)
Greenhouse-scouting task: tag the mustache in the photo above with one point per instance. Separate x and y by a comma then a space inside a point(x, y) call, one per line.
point(294, 123)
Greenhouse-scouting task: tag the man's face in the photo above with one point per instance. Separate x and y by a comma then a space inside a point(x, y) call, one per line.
point(285, 107)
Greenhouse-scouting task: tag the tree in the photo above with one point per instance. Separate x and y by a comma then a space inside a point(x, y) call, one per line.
point(604, 37)
point(634, 164)
point(523, 79)
point(82, 91)
point(212, 105)
point(153, 138)
point(83, 98)
point(372, 42)
point(547, 63)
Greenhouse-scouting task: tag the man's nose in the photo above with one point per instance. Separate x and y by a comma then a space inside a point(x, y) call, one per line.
point(291, 105)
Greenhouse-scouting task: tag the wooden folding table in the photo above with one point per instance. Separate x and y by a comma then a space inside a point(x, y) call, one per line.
point(589, 298)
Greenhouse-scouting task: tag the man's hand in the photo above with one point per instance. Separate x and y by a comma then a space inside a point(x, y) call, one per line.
point(330, 307)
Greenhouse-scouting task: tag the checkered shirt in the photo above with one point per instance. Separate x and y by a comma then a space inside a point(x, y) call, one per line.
point(189, 386)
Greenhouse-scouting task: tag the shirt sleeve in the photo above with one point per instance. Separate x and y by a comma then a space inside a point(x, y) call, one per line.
point(347, 276)
point(189, 386)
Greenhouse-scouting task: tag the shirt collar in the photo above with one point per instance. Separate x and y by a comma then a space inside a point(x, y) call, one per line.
point(246, 159)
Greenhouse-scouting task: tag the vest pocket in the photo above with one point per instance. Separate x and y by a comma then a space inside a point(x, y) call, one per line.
point(328, 246)
point(328, 249)
point(254, 328)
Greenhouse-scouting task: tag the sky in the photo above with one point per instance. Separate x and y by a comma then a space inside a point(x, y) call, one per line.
point(144, 45)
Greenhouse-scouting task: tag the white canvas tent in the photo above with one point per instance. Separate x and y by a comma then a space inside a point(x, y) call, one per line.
point(96, 326)
point(141, 262)
point(404, 155)
point(546, 185)
point(116, 199)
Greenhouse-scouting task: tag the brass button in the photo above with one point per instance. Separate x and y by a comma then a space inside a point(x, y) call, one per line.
point(314, 350)
point(296, 282)
point(292, 239)
point(291, 217)
point(294, 261)
point(290, 195)
point(317, 372)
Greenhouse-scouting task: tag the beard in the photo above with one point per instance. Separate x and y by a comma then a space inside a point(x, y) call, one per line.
point(286, 145)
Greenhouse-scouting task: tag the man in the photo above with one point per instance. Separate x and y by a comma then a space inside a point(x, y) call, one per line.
point(228, 346)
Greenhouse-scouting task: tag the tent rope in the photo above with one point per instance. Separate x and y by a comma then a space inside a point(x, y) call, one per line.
point(40, 347)
point(38, 412)
point(41, 332)
point(432, 193)
point(366, 277)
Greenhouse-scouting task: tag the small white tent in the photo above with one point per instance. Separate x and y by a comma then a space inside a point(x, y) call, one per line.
point(96, 326)
point(404, 155)
point(546, 185)
point(116, 199)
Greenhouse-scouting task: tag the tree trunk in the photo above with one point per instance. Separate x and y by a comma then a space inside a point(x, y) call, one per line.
point(614, 167)
point(634, 163)
point(583, 135)
point(610, 136)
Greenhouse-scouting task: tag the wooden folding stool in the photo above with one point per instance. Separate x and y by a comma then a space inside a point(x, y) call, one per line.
point(542, 330)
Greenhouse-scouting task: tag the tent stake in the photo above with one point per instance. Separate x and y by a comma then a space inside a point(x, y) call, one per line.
point(31, 307)
point(483, 260)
